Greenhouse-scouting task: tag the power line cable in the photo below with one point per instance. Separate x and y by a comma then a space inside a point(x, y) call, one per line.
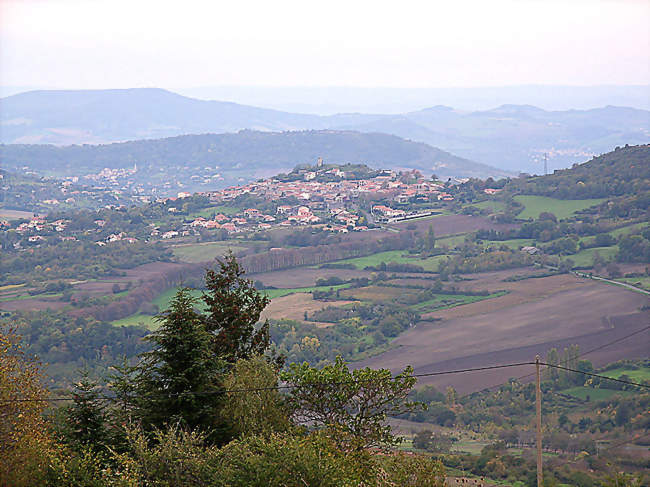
point(429, 374)
point(595, 349)
point(279, 387)
point(591, 374)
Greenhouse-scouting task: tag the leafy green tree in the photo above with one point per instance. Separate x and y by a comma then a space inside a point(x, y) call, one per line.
point(552, 358)
point(351, 405)
point(413, 471)
point(254, 406)
point(621, 479)
point(429, 240)
point(26, 446)
point(294, 461)
point(233, 309)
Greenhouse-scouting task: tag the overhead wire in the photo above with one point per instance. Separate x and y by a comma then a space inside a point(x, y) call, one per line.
point(338, 383)
point(580, 355)
point(280, 387)
point(591, 374)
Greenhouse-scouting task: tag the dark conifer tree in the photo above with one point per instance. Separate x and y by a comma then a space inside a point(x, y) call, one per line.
point(179, 380)
point(86, 422)
point(233, 309)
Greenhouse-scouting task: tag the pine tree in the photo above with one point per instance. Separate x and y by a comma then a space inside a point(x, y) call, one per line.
point(234, 307)
point(179, 380)
point(85, 419)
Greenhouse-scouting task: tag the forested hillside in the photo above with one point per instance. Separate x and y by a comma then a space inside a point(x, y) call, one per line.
point(246, 151)
point(511, 137)
point(625, 171)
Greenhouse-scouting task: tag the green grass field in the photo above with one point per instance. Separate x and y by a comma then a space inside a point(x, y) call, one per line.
point(628, 229)
point(162, 302)
point(163, 299)
point(515, 243)
point(203, 252)
point(208, 212)
point(22, 297)
point(137, 320)
point(451, 241)
point(490, 205)
point(430, 264)
point(277, 293)
point(585, 257)
point(591, 394)
point(637, 375)
point(534, 205)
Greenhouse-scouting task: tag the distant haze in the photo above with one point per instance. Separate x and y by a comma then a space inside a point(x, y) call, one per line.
point(82, 44)
point(328, 100)
point(511, 137)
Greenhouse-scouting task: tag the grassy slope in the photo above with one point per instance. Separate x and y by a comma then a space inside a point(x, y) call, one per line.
point(137, 320)
point(203, 252)
point(585, 257)
point(399, 256)
point(207, 212)
point(534, 205)
point(637, 375)
point(582, 392)
point(276, 293)
point(490, 205)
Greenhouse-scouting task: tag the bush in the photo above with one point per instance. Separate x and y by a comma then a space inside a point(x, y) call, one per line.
point(329, 281)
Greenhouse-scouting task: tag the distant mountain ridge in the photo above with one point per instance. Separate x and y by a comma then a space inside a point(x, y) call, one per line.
point(512, 137)
point(246, 151)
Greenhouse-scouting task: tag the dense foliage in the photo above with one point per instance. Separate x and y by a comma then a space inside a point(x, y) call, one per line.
point(625, 171)
point(170, 420)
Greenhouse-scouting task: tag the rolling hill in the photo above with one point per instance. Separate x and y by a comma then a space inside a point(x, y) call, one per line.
point(511, 137)
point(247, 152)
point(623, 172)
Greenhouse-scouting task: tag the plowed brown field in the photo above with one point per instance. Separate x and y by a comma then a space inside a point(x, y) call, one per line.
point(536, 315)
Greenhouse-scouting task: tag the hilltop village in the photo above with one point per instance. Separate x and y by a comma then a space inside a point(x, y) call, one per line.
point(326, 197)
point(334, 198)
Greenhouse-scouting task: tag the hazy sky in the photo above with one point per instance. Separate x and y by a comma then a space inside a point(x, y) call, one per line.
point(187, 43)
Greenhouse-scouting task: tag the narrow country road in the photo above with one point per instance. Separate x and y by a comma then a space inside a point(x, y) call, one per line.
point(617, 283)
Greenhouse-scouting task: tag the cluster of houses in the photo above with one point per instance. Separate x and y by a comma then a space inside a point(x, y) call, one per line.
point(326, 204)
point(335, 219)
point(386, 185)
point(314, 200)
point(37, 227)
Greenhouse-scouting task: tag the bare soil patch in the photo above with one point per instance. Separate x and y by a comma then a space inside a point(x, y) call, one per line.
point(293, 307)
point(551, 312)
point(303, 276)
point(15, 214)
point(453, 224)
point(31, 304)
point(519, 292)
point(145, 272)
point(374, 293)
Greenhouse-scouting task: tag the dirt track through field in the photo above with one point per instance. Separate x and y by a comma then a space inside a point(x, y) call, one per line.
point(537, 315)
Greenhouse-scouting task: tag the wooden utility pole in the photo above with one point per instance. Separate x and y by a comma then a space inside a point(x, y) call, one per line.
point(538, 409)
